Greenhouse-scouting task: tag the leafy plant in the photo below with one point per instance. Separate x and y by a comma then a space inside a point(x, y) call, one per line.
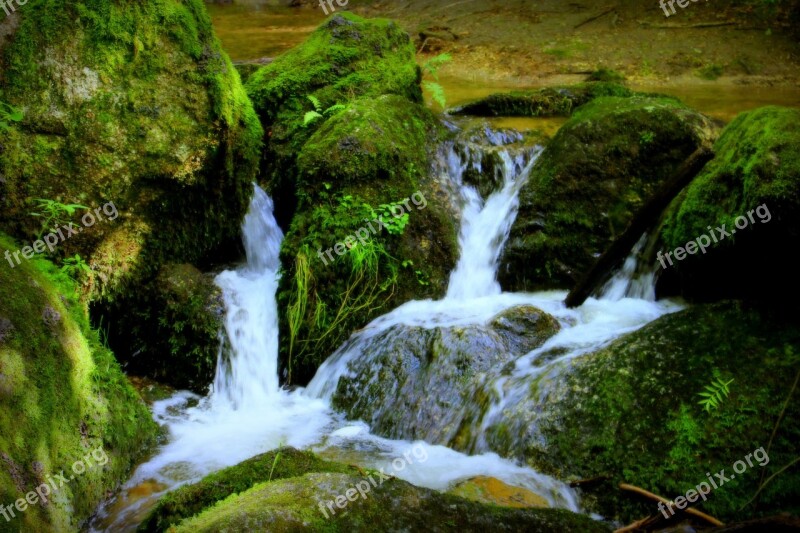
point(318, 113)
point(422, 277)
point(274, 462)
point(74, 266)
point(394, 225)
point(54, 213)
point(8, 114)
point(714, 393)
point(432, 67)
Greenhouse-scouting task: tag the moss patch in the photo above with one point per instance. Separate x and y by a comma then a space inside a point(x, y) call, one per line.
point(62, 395)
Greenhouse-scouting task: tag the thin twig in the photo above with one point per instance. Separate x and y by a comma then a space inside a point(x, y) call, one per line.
point(775, 428)
point(797, 459)
point(694, 512)
point(669, 26)
point(590, 19)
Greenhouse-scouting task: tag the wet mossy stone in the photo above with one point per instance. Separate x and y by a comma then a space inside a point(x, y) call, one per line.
point(418, 383)
point(62, 396)
point(175, 334)
point(547, 102)
point(133, 103)
point(631, 412)
point(394, 505)
point(757, 163)
point(190, 500)
point(601, 167)
point(375, 152)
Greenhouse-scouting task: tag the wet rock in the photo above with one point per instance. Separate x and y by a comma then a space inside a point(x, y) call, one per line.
point(493, 491)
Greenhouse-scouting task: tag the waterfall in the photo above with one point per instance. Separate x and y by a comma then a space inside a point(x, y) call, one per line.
point(247, 367)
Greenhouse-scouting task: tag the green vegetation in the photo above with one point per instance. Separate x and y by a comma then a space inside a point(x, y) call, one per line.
point(318, 113)
point(715, 393)
point(8, 115)
point(431, 67)
point(54, 214)
point(62, 393)
point(630, 412)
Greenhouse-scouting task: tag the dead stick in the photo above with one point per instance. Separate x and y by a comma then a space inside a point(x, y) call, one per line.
point(685, 26)
point(590, 19)
point(694, 512)
point(646, 521)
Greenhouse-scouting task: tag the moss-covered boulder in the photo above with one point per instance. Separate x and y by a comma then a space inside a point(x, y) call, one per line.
point(357, 150)
point(598, 170)
point(631, 412)
point(190, 500)
point(752, 188)
point(134, 104)
point(417, 383)
point(547, 102)
point(63, 398)
point(300, 504)
point(175, 337)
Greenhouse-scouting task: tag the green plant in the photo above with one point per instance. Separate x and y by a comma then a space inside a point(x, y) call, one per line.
point(431, 67)
point(318, 113)
point(8, 114)
point(394, 225)
point(54, 213)
point(714, 393)
point(274, 462)
point(710, 72)
point(74, 266)
point(422, 277)
point(646, 138)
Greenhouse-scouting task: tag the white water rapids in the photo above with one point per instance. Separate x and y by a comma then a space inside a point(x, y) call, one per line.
point(248, 413)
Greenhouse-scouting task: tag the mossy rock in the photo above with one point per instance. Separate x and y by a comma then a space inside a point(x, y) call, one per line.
point(371, 154)
point(756, 175)
point(190, 500)
point(547, 102)
point(175, 334)
point(297, 504)
point(347, 57)
point(631, 412)
point(62, 396)
point(133, 103)
point(596, 173)
point(418, 383)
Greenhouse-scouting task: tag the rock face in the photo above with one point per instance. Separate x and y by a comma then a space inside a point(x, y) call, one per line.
point(63, 397)
point(176, 334)
point(347, 138)
point(600, 167)
point(631, 412)
point(426, 383)
point(294, 504)
point(755, 175)
point(135, 104)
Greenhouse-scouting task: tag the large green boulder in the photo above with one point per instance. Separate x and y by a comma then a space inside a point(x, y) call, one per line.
point(752, 188)
point(595, 174)
point(631, 413)
point(63, 402)
point(131, 105)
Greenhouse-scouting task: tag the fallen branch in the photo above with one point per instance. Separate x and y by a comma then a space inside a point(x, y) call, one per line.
point(694, 512)
point(590, 19)
point(639, 524)
point(669, 26)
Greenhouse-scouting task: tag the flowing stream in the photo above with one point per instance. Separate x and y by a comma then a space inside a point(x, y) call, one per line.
point(247, 412)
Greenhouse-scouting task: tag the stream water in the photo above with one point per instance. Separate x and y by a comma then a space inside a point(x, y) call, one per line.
point(248, 413)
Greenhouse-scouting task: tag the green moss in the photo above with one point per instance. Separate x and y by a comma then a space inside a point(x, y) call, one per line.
point(190, 500)
point(631, 411)
point(62, 395)
point(757, 163)
point(598, 170)
point(294, 505)
point(373, 153)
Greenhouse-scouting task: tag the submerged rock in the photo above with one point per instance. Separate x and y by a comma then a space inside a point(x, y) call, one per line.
point(751, 188)
point(63, 401)
point(547, 102)
point(299, 504)
point(426, 384)
point(597, 171)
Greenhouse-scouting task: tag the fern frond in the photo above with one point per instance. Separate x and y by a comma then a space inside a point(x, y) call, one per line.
point(334, 108)
point(714, 394)
point(437, 92)
point(310, 117)
point(315, 101)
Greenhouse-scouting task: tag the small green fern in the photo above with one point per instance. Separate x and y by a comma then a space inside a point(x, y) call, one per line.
point(9, 114)
point(432, 67)
point(437, 92)
point(714, 394)
point(312, 116)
